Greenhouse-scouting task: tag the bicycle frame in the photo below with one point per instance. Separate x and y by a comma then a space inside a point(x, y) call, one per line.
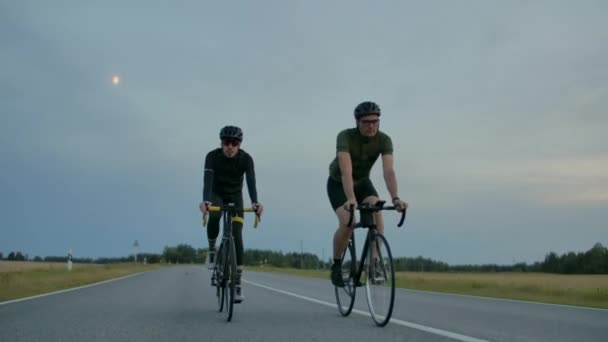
point(361, 264)
point(225, 269)
point(380, 274)
point(229, 211)
point(367, 221)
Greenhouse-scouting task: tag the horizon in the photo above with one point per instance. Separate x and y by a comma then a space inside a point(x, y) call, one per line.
point(328, 259)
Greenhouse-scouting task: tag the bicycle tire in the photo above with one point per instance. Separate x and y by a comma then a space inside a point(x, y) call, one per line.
point(230, 279)
point(218, 272)
point(345, 296)
point(380, 281)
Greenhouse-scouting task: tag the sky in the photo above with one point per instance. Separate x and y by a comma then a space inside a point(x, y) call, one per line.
point(497, 112)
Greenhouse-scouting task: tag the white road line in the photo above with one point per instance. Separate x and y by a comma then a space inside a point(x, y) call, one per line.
point(70, 289)
point(420, 327)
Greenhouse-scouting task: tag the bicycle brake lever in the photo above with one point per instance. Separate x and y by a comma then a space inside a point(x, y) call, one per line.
point(402, 218)
point(257, 220)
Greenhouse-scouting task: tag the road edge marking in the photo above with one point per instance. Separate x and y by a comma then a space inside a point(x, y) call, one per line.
point(445, 333)
point(70, 289)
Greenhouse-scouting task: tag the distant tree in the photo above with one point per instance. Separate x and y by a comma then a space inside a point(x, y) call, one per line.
point(569, 263)
point(1, 256)
point(201, 255)
point(150, 258)
point(52, 258)
point(551, 263)
point(113, 260)
point(182, 253)
point(187, 253)
point(37, 258)
point(154, 259)
point(19, 256)
point(170, 255)
point(11, 256)
point(594, 260)
point(520, 267)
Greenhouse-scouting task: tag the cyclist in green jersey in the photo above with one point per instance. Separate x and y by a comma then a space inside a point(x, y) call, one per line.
point(349, 183)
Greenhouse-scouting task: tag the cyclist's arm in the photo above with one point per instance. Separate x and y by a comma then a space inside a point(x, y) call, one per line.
point(208, 178)
point(250, 176)
point(389, 175)
point(346, 169)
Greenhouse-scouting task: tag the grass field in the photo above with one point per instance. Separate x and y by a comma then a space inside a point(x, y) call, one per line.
point(20, 279)
point(580, 290)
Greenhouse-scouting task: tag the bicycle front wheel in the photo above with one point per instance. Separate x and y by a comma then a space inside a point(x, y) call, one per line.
point(380, 282)
point(230, 279)
point(345, 296)
point(219, 277)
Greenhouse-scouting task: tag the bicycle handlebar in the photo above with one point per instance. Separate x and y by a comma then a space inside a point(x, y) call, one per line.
point(215, 208)
point(379, 206)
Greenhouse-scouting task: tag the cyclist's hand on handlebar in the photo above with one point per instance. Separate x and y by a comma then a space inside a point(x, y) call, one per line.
point(350, 203)
point(204, 206)
point(399, 204)
point(259, 209)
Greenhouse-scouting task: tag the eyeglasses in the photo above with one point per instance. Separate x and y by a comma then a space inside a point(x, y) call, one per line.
point(231, 142)
point(370, 122)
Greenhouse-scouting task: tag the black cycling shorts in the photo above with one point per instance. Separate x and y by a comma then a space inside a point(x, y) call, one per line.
point(337, 197)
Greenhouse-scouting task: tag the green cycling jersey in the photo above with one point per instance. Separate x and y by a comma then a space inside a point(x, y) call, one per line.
point(364, 151)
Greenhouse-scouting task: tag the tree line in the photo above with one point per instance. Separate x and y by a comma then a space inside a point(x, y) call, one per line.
point(593, 261)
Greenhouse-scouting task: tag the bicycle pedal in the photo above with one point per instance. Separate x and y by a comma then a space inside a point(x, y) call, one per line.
point(378, 281)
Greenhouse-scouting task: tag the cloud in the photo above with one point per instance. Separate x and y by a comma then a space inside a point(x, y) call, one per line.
point(554, 181)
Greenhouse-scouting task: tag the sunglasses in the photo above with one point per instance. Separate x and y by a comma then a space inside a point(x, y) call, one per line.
point(370, 122)
point(231, 142)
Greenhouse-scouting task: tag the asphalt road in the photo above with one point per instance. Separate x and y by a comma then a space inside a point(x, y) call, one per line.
point(178, 304)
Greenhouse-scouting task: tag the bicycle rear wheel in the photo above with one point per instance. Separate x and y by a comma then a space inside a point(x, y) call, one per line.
point(345, 296)
point(230, 279)
point(218, 273)
point(380, 280)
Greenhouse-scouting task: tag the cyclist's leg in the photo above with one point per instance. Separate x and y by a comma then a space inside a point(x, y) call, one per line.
point(213, 228)
point(237, 228)
point(365, 190)
point(337, 198)
point(237, 233)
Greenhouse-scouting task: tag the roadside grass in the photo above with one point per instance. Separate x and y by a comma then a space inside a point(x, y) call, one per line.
point(579, 290)
point(19, 279)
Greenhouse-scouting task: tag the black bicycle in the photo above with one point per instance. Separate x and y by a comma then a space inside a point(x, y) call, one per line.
point(224, 271)
point(377, 263)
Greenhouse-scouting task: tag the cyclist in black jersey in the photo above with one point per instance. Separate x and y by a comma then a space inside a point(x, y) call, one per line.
point(222, 184)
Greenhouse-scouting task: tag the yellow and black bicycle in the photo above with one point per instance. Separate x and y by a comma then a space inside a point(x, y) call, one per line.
point(224, 272)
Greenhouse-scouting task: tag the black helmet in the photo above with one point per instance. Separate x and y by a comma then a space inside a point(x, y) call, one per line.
point(231, 132)
point(366, 108)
